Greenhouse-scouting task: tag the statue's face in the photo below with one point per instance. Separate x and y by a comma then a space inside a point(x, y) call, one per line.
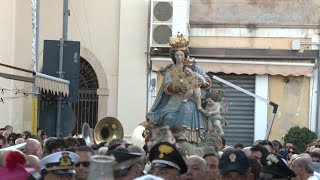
point(209, 101)
point(179, 56)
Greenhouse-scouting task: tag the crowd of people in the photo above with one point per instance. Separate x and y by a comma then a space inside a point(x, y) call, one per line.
point(51, 158)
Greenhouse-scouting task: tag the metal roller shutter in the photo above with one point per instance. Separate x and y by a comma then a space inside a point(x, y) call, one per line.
point(240, 115)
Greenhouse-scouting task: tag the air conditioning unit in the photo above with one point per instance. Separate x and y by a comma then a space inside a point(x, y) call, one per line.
point(167, 18)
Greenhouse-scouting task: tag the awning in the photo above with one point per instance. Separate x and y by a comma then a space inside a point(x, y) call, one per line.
point(272, 67)
point(43, 82)
point(47, 83)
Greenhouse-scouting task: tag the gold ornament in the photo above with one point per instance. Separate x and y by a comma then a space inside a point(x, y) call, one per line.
point(189, 62)
point(165, 149)
point(65, 160)
point(179, 42)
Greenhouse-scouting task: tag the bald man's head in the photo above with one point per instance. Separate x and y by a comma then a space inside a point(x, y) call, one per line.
point(33, 147)
point(20, 141)
point(305, 155)
point(197, 168)
point(316, 150)
point(33, 162)
point(198, 159)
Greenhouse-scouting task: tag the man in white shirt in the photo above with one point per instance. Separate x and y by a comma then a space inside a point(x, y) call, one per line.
point(303, 168)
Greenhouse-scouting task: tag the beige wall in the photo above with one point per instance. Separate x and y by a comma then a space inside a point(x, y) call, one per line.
point(21, 115)
point(254, 12)
point(293, 101)
point(7, 24)
point(15, 38)
point(132, 90)
point(96, 25)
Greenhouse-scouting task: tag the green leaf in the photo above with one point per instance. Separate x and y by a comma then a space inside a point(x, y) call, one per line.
point(300, 137)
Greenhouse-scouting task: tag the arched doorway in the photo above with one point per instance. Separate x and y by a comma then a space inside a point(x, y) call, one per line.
point(86, 109)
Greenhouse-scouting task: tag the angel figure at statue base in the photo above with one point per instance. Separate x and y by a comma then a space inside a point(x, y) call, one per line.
point(216, 103)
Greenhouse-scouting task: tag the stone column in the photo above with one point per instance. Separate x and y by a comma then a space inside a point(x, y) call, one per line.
point(102, 102)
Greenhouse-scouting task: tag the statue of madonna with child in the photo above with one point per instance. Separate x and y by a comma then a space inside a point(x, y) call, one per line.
point(178, 101)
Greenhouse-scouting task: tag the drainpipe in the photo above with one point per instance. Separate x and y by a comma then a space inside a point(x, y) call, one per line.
point(316, 67)
point(318, 94)
point(318, 99)
point(148, 57)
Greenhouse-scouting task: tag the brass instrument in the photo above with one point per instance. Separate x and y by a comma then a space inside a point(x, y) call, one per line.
point(107, 129)
point(86, 134)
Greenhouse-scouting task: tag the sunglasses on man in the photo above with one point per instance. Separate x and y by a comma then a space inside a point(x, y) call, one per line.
point(84, 164)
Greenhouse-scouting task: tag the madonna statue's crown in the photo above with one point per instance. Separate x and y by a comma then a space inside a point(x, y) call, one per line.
point(179, 42)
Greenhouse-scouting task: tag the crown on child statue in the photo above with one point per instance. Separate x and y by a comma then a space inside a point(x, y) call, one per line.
point(179, 42)
point(189, 61)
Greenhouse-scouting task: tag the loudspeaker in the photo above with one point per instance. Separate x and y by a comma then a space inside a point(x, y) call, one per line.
point(70, 67)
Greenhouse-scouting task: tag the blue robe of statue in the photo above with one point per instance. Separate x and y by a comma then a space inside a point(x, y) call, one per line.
point(168, 108)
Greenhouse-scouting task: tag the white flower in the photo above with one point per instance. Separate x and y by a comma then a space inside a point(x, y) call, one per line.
point(272, 158)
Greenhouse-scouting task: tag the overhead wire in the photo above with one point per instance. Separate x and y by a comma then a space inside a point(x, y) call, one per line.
point(18, 93)
point(77, 23)
point(89, 32)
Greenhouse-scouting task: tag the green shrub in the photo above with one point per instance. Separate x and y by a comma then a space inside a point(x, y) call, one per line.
point(300, 137)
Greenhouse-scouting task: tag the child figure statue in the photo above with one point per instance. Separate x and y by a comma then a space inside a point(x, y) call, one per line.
point(191, 82)
point(216, 103)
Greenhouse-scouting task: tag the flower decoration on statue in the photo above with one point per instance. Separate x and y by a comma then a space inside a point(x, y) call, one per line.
point(271, 158)
point(179, 42)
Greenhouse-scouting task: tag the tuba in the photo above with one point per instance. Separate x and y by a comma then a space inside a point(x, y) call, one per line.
point(107, 129)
